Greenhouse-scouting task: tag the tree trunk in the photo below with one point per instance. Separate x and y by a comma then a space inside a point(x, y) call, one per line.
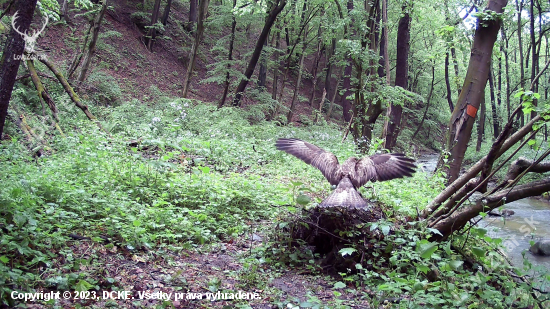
point(229, 57)
point(152, 32)
point(448, 83)
point(507, 71)
point(297, 87)
point(315, 68)
point(427, 106)
point(262, 75)
point(11, 56)
point(203, 8)
point(166, 12)
point(395, 111)
point(496, 124)
point(93, 42)
point(193, 4)
point(481, 124)
point(277, 7)
point(278, 54)
point(329, 63)
point(535, 58)
point(462, 119)
point(347, 106)
point(519, 8)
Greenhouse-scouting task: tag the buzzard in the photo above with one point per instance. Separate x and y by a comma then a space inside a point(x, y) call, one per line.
point(350, 175)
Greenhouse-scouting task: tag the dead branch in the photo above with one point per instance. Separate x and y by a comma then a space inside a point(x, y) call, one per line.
point(458, 220)
point(72, 94)
point(521, 164)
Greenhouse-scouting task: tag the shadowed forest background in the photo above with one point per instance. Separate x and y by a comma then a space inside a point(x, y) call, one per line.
point(138, 153)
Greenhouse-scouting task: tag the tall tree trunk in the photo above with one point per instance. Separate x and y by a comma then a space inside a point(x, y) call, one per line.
point(193, 4)
point(534, 61)
point(395, 111)
point(229, 57)
point(278, 54)
point(448, 83)
point(347, 105)
point(494, 112)
point(203, 8)
point(166, 12)
point(315, 68)
point(329, 81)
point(91, 48)
point(481, 124)
point(151, 33)
point(507, 71)
point(519, 8)
point(297, 87)
point(427, 106)
point(11, 56)
point(277, 7)
point(462, 119)
point(262, 75)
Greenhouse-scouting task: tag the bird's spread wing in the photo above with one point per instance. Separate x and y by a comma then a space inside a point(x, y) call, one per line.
point(325, 161)
point(382, 167)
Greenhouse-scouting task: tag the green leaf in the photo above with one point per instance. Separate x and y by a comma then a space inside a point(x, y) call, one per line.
point(136, 223)
point(435, 231)
point(427, 249)
point(456, 264)
point(423, 268)
point(4, 259)
point(339, 285)
point(303, 199)
point(347, 251)
point(385, 229)
point(479, 252)
point(82, 285)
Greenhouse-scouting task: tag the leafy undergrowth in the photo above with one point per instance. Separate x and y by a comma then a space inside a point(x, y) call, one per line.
point(191, 199)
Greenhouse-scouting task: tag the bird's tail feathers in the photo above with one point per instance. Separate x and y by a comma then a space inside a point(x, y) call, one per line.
point(345, 195)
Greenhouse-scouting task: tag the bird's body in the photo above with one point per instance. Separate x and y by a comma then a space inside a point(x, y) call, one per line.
point(350, 175)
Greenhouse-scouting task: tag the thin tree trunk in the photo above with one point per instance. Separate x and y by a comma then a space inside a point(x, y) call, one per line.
point(229, 57)
point(519, 8)
point(462, 119)
point(78, 57)
point(203, 8)
point(262, 74)
point(392, 125)
point(427, 107)
point(448, 83)
point(333, 99)
point(481, 124)
point(534, 61)
point(150, 38)
point(193, 4)
point(298, 82)
point(91, 48)
point(496, 124)
point(276, 68)
point(329, 64)
point(278, 6)
point(11, 56)
point(507, 71)
point(166, 12)
point(347, 106)
point(315, 67)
